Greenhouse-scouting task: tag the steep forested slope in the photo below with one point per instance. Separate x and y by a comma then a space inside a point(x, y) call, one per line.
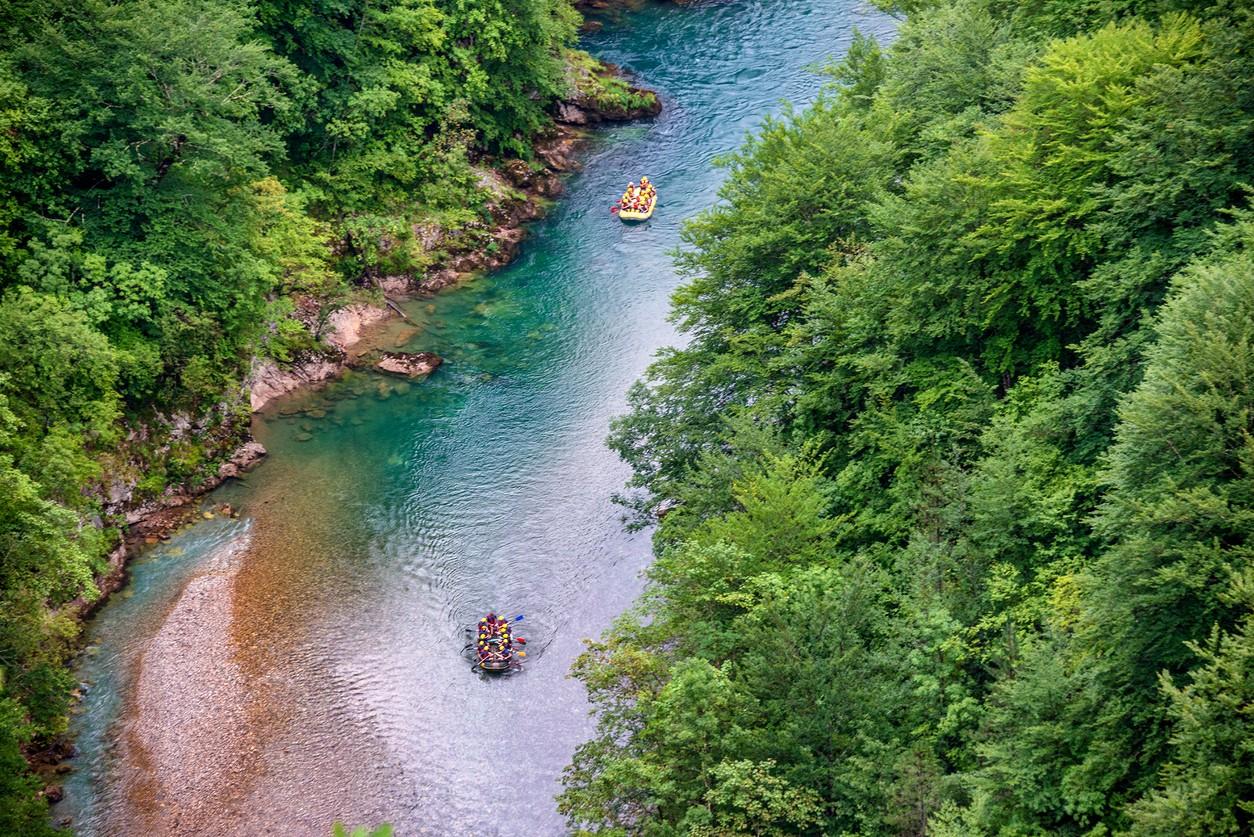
point(954, 477)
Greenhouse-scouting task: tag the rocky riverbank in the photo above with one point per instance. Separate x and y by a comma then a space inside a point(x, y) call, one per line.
point(521, 192)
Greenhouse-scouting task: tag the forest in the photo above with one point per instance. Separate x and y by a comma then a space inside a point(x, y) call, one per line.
point(953, 473)
point(176, 176)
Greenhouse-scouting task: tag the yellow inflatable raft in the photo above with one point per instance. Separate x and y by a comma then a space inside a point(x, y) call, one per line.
point(639, 215)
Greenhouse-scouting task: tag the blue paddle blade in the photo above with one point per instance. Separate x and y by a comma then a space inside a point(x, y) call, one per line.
point(517, 618)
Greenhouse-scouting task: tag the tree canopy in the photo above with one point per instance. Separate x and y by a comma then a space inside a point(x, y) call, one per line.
point(952, 479)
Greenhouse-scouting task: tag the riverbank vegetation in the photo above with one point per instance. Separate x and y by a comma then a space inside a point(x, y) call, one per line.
point(954, 477)
point(177, 178)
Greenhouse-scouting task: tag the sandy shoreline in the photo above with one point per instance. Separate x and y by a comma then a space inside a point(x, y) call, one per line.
point(188, 687)
point(226, 693)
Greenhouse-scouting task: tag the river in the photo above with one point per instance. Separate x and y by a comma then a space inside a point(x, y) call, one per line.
point(301, 664)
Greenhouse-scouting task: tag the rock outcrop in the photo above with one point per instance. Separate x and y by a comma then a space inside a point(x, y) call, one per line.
point(269, 380)
point(417, 365)
point(583, 109)
point(244, 458)
point(345, 326)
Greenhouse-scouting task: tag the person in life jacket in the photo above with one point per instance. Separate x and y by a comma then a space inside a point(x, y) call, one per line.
point(487, 629)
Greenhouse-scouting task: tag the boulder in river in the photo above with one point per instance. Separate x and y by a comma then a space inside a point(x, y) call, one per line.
point(417, 365)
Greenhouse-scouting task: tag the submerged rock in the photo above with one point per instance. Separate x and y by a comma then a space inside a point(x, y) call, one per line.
point(439, 280)
point(404, 335)
point(416, 365)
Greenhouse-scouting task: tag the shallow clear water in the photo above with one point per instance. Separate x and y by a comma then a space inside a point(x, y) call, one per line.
point(387, 517)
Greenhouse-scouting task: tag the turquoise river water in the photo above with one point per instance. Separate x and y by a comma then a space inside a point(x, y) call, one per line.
point(302, 664)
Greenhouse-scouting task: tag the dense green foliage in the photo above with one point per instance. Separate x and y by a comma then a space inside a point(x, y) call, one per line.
point(176, 176)
point(954, 479)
